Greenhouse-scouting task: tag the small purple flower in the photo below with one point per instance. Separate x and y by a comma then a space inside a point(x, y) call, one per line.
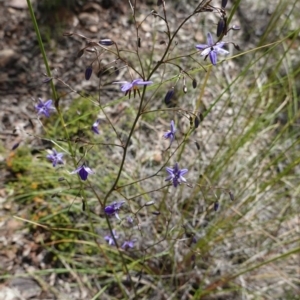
point(110, 239)
point(113, 208)
point(95, 127)
point(127, 87)
point(127, 244)
point(83, 172)
point(44, 108)
point(210, 49)
point(171, 134)
point(176, 175)
point(55, 158)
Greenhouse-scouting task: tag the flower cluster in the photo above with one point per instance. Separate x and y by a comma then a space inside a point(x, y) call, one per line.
point(111, 241)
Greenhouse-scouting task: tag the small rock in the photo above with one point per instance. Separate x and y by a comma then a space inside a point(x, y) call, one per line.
point(7, 56)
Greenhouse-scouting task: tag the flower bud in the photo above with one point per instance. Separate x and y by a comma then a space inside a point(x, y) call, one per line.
point(106, 42)
point(169, 96)
point(194, 83)
point(224, 3)
point(221, 27)
point(88, 72)
point(185, 89)
point(15, 146)
point(196, 122)
point(216, 206)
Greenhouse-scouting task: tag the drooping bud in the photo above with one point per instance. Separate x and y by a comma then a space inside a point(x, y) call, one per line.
point(224, 3)
point(221, 27)
point(185, 89)
point(196, 122)
point(237, 47)
point(235, 27)
point(169, 96)
point(216, 206)
point(88, 72)
point(106, 42)
point(15, 146)
point(194, 83)
point(156, 213)
point(47, 79)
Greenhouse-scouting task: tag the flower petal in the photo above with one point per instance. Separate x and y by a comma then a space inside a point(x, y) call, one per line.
point(202, 46)
point(210, 40)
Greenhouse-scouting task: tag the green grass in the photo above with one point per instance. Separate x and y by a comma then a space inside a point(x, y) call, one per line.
point(249, 145)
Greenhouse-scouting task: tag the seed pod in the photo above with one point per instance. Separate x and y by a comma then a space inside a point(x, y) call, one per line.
point(106, 42)
point(231, 196)
point(196, 122)
point(221, 27)
point(83, 205)
point(194, 83)
point(197, 145)
point(88, 72)
point(139, 42)
point(224, 3)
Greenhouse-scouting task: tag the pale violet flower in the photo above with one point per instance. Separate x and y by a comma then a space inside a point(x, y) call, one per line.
point(127, 244)
point(113, 208)
point(83, 172)
point(127, 86)
point(95, 127)
point(55, 158)
point(110, 240)
point(212, 50)
point(176, 175)
point(44, 108)
point(171, 134)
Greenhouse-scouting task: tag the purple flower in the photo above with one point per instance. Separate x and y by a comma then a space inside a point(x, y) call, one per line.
point(83, 172)
point(127, 244)
point(127, 87)
point(171, 134)
point(176, 175)
point(210, 49)
point(44, 108)
point(95, 127)
point(55, 158)
point(110, 239)
point(113, 208)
